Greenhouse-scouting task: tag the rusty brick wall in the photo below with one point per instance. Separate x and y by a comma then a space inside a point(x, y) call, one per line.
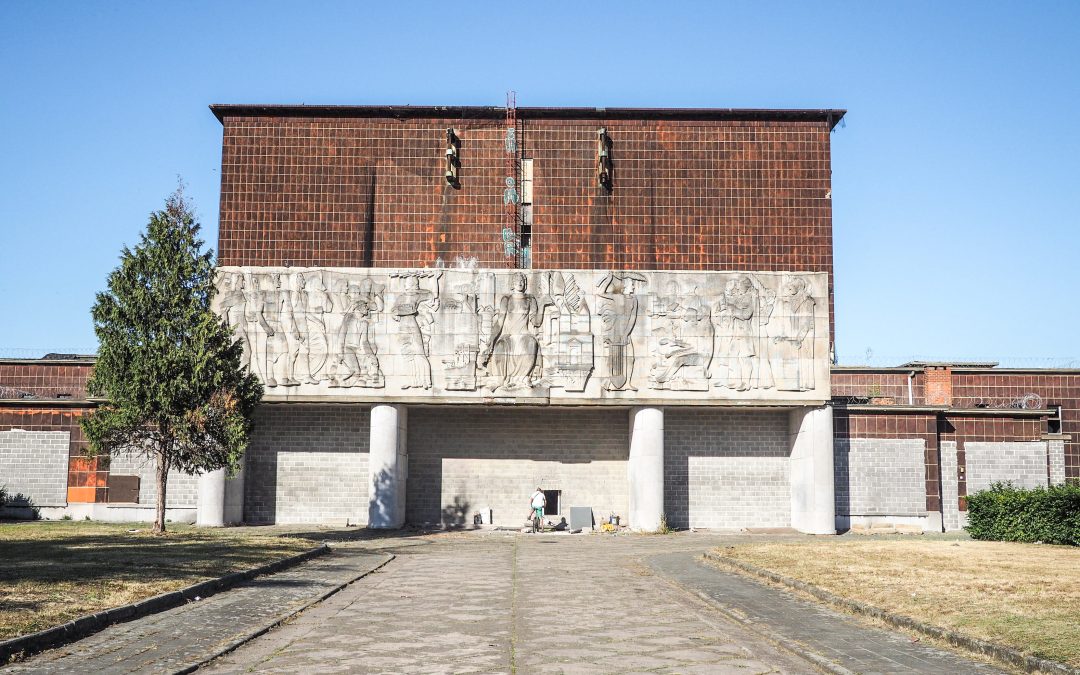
point(87, 476)
point(358, 192)
point(891, 424)
point(44, 379)
point(687, 194)
point(987, 387)
point(890, 383)
point(938, 385)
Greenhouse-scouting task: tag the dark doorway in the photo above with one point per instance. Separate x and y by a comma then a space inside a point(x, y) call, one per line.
point(553, 497)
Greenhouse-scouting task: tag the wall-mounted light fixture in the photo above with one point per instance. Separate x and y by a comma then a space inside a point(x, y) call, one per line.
point(453, 159)
point(603, 159)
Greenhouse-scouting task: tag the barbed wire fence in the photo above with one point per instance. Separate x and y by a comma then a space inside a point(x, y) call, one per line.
point(874, 360)
point(41, 352)
point(868, 358)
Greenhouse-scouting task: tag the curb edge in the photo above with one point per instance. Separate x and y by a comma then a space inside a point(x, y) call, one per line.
point(1002, 653)
point(24, 646)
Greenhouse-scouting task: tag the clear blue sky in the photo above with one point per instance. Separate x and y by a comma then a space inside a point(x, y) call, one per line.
point(955, 177)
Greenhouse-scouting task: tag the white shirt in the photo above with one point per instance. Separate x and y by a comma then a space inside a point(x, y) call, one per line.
point(538, 499)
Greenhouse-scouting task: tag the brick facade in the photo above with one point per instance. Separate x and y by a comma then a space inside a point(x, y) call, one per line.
point(180, 489)
point(692, 190)
point(995, 391)
point(44, 379)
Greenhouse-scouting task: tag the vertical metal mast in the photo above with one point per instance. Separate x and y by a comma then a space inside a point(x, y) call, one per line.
point(511, 237)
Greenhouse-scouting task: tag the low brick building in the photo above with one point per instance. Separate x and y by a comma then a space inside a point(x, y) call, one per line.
point(631, 308)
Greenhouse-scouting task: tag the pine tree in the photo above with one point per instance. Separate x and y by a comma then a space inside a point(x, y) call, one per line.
point(169, 369)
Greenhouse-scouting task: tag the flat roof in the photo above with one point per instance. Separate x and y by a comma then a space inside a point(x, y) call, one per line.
point(222, 110)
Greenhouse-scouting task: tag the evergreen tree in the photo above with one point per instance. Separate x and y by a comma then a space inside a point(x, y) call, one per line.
point(169, 368)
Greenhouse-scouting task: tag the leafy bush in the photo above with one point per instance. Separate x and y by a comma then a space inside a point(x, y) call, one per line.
point(1006, 513)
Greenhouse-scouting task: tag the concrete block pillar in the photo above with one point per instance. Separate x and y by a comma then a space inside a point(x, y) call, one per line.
point(813, 505)
point(387, 466)
point(1055, 450)
point(210, 504)
point(646, 468)
point(234, 497)
point(950, 486)
point(220, 499)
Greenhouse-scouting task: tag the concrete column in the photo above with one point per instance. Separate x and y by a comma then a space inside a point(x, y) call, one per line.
point(1055, 450)
point(387, 466)
point(210, 505)
point(645, 469)
point(813, 495)
point(950, 486)
point(234, 496)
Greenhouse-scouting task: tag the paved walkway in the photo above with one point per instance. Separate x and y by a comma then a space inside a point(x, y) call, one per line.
point(809, 626)
point(185, 636)
point(496, 602)
point(467, 603)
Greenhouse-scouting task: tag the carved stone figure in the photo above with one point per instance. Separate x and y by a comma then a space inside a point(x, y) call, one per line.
point(681, 340)
point(795, 345)
point(618, 309)
point(414, 311)
point(740, 302)
point(465, 333)
point(339, 297)
point(567, 340)
point(232, 307)
point(673, 356)
point(275, 317)
point(253, 302)
point(315, 305)
point(359, 364)
point(513, 350)
point(458, 316)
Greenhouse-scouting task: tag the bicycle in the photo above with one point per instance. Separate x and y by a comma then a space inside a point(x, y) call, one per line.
point(537, 521)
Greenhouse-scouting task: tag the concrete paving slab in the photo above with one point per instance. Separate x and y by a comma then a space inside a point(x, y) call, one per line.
point(842, 639)
point(180, 638)
point(498, 602)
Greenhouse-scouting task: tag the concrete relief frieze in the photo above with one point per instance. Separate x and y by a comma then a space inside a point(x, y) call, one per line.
point(574, 336)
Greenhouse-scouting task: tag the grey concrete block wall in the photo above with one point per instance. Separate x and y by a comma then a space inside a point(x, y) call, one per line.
point(1025, 464)
point(880, 476)
point(950, 489)
point(462, 460)
point(35, 464)
point(726, 469)
point(181, 490)
point(308, 464)
point(1056, 450)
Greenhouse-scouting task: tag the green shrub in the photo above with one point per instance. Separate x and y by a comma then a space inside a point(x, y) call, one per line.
point(1006, 513)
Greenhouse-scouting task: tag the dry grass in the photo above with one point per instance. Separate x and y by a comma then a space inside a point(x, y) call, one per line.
point(1022, 595)
point(53, 572)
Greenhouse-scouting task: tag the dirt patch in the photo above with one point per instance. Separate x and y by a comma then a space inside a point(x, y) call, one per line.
point(53, 572)
point(1024, 596)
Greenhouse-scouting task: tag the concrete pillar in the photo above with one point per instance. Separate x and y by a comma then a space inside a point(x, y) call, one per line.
point(950, 486)
point(813, 495)
point(387, 466)
point(234, 496)
point(645, 469)
point(210, 505)
point(1055, 450)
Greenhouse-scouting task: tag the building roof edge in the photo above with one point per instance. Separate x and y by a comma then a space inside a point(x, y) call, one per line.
point(223, 110)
